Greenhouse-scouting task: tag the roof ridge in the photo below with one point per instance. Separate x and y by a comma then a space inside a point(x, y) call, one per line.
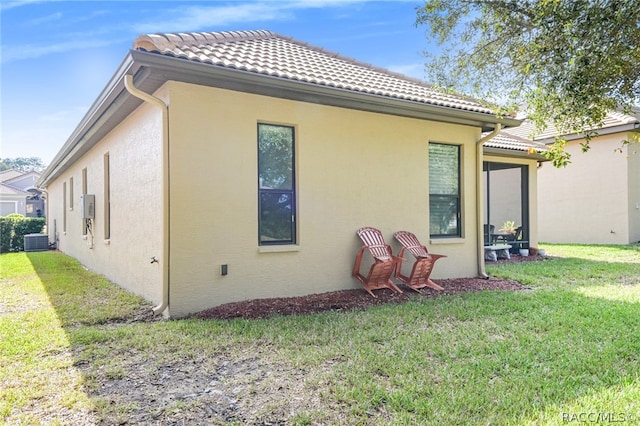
point(13, 173)
point(15, 189)
point(272, 54)
point(160, 42)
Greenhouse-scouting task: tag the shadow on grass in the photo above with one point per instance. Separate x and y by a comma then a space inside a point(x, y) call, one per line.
point(489, 357)
point(81, 297)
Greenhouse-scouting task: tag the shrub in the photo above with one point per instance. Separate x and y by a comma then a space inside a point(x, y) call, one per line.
point(14, 227)
point(6, 229)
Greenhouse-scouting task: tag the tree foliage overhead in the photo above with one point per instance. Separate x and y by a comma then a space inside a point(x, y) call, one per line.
point(23, 164)
point(569, 61)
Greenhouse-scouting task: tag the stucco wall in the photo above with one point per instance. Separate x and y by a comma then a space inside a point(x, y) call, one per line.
point(633, 155)
point(588, 201)
point(134, 149)
point(354, 169)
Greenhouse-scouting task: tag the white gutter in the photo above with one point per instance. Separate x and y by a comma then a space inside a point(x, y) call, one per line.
point(480, 199)
point(128, 84)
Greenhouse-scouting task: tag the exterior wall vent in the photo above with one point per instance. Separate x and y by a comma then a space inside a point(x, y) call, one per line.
point(36, 242)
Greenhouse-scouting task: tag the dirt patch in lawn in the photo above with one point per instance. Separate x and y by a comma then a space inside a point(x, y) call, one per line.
point(242, 385)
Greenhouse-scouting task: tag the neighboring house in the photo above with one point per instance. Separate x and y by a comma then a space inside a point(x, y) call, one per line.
point(596, 198)
point(19, 194)
point(220, 167)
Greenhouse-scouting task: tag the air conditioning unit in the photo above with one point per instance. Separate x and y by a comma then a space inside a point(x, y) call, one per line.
point(36, 242)
point(88, 203)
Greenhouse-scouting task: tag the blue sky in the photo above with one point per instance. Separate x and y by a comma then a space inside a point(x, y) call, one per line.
point(57, 56)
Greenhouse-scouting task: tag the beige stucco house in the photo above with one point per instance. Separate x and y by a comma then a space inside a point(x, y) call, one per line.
point(596, 198)
point(19, 194)
point(218, 167)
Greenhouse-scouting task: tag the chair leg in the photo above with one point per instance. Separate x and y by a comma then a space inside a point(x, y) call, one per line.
point(394, 287)
point(379, 277)
point(433, 285)
point(420, 274)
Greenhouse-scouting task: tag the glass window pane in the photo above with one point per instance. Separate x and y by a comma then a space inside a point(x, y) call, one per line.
point(276, 217)
point(276, 184)
point(443, 169)
point(444, 190)
point(443, 212)
point(275, 156)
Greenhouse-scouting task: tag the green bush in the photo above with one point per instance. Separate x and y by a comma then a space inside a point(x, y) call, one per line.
point(14, 227)
point(6, 229)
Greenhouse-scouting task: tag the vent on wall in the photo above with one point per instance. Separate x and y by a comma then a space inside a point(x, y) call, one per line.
point(36, 242)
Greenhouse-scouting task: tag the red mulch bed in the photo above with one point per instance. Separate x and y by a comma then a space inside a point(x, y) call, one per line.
point(346, 300)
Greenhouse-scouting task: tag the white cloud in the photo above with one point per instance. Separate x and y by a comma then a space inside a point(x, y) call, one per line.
point(198, 17)
point(16, 53)
point(179, 18)
point(415, 70)
point(10, 4)
point(193, 18)
point(44, 19)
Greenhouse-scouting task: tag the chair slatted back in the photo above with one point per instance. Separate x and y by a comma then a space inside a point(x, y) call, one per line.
point(410, 242)
point(373, 240)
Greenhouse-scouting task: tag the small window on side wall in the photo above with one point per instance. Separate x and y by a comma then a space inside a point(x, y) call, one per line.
point(445, 215)
point(64, 206)
point(276, 185)
point(107, 196)
point(84, 191)
point(70, 193)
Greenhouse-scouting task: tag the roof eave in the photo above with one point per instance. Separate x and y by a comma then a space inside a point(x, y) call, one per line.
point(628, 127)
point(234, 79)
point(112, 96)
point(513, 153)
point(151, 70)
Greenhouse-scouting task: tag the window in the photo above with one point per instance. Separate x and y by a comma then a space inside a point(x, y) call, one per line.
point(84, 192)
point(84, 180)
point(444, 190)
point(276, 185)
point(70, 193)
point(64, 206)
point(107, 198)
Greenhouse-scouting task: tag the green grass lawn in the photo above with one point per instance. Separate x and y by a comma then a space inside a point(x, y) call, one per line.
point(565, 351)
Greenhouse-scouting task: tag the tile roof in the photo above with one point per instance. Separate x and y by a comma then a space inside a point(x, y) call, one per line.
point(11, 190)
point(612, 120)
point(508, 141)
point(270, 54)
point(6, 175)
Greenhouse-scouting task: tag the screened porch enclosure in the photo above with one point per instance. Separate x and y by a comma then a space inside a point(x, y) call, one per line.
point(506, 203)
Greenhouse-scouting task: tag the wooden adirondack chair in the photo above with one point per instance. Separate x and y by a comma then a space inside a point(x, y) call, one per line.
point(385, 262)
point(423, 265)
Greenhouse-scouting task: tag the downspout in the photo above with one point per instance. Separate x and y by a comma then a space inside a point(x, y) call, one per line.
point(480, 200)
point(128, 84)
